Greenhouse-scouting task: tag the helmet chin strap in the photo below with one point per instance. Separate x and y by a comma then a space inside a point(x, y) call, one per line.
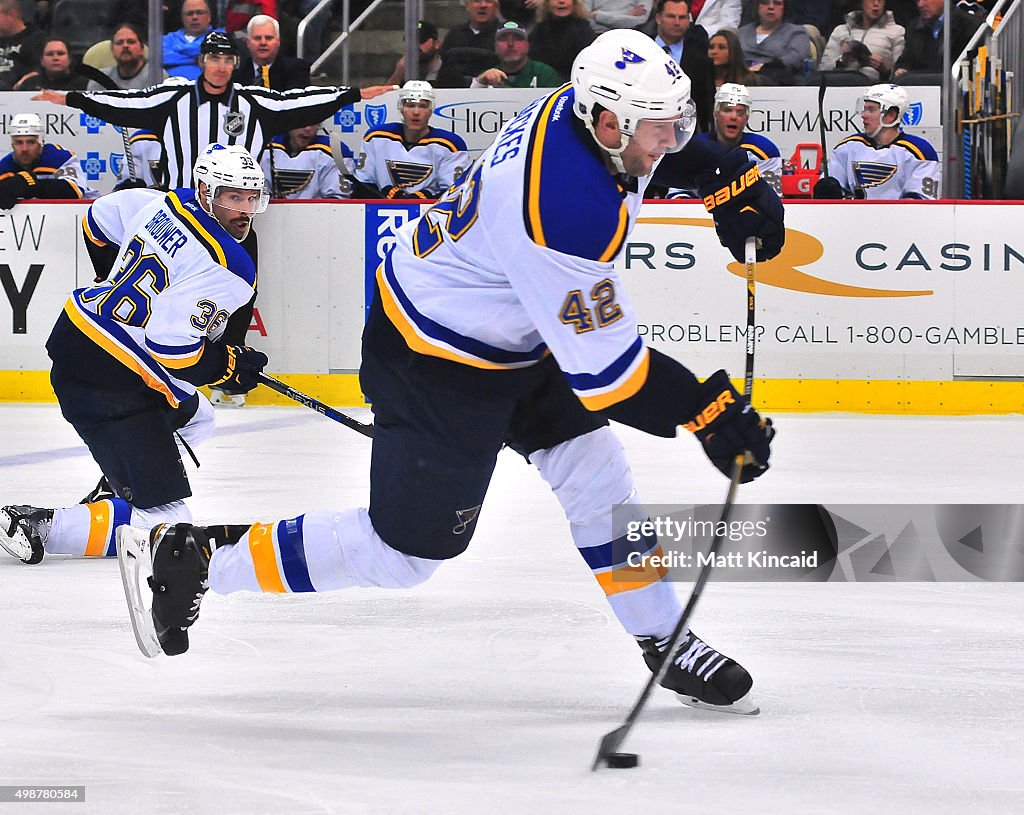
point(614, 153)
point(883, 124)
point(206, 204)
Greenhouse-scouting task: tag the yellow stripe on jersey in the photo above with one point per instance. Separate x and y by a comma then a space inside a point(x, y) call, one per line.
point(180, 361)
point(620, 235)
point(101, 517)
point(323, 148)
point(382, 134)
point(629, 578)
point(857, 138)
point(626, 389)
point(533, 175)
point(439, 140)
point(414, 340)
point(264, 558)
point(211, 243)
point(89, 233)
point(913, 148)
point(73, 186)
point(757, 151)
point(118, 352)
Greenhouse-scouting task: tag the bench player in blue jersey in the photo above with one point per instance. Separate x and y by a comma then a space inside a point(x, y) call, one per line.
point(129, 352)
point(499, 319)
point(35, 169)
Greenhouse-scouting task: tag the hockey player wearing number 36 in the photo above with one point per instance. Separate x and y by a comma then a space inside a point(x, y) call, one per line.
point(129, 352)
point(883, 163)
point(498, 319)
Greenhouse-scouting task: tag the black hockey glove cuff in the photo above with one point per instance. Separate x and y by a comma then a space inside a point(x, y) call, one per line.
point(744, 205)
point(130, 184)
point(241, 368)
point(727, 425)
point(828, 188)
point(16, 187)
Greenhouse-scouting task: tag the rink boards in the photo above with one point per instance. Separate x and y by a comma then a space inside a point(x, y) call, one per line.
point(902, 307)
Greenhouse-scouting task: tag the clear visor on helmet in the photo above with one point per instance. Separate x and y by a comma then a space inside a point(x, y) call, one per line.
point(665, 135)
point(247, 202)
point(871, 104)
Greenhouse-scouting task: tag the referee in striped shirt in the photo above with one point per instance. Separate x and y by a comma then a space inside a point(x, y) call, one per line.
point(188, 116)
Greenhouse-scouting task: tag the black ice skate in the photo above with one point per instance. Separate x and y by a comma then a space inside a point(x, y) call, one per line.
point(101, 492)
point(700, 676)
point(23, 531)
point(164, 574)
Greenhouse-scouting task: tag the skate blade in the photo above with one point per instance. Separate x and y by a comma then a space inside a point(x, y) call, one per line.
point(16, 546)
point(135, 560)
point(221, 399)
point(744, 706)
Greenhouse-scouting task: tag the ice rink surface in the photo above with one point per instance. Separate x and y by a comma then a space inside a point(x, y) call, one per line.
point(487, 689)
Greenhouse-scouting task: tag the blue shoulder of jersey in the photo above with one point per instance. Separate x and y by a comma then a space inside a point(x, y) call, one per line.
point(8, 166)
point(453, 141)
point(571, 203)
point(224, 249)
point(918, 146)
point(388, 130)
point(54, 156)
point(761, 146)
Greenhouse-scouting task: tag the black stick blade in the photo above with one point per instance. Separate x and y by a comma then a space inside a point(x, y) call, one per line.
point(610, 743)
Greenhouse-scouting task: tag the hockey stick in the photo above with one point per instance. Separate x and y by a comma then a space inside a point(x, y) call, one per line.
point(314, 404)
point(100, 78)
point(611, 741)
point(821, 124)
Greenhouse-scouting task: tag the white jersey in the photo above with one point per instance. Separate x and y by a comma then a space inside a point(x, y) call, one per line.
point(180, 277)
point(499, 272)
point(907, 168)
point(147, 152)
point(761, 150)
point(430, 166)
point(310, 173)
point(54, 163)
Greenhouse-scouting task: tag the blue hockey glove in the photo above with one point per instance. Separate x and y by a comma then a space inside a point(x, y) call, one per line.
point(726, 424)
point(744, 205)
point(242, 366)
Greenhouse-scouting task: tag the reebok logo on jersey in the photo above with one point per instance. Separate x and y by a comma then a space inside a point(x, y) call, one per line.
point(732, 190)
point(711, 412)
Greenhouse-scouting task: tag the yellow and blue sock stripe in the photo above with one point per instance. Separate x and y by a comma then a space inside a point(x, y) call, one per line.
point(279, 557)
point(104, 519)
point(611, 563)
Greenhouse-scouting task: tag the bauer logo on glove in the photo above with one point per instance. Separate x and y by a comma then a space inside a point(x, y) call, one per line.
point(727, 425)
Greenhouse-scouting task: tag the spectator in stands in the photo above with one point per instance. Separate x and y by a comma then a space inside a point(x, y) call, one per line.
point(34, 169)
point(431, 67)
point(131, 68)
point(300, 166)
point(410, 159)
point(874, 28)
point(923, 51)
point(774, 48)
point(181, 47)
point(477, 31)
point(687, 44)
point(726, 56)
point(714, 15)
point(137, 12)
point(263, 64)
point(607, 14)
point(313, 42)
point(54, 70)
point(515, 68)
point(883, 162)
point(237, 14)
point(523, 12)
point(21, 45)
point(562, 32)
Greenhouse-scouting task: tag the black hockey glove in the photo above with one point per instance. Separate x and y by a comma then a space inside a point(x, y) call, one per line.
point(398, 192)
point(727, 425)
point(15, 188)
point(744, 205)
point(828, 188)
point(242, 366)
point(129, 184)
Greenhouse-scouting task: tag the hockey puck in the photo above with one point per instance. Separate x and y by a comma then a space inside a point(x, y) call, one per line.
point(622, 761)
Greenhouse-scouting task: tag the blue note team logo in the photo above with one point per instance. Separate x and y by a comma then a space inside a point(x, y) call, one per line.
point(93, 165)
point(914, 114)
point(628, 58)
point(347, 119)
point(376, 115)
point(90, 123)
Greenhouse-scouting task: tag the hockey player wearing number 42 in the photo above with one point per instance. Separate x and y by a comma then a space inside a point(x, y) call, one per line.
point(882, 163)
point(496, 319)
point(128, 353)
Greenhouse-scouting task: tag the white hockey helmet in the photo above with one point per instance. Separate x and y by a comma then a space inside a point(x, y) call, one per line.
point(416, 90)
point(730, 93)
point(230, 165)
point(625, 72)
point(26, 124)
point(887, 96)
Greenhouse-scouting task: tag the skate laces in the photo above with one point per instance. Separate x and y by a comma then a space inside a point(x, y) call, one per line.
point(193, 612)
point(693, 650)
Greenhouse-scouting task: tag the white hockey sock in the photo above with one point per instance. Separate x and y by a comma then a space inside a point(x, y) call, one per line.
point(87, 530)
point(319, 551)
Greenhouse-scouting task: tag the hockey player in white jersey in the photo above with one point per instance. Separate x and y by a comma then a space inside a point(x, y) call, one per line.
point(410, 159)
point(883, 163)
point(147, 157)
point(498, 320)
point(128, 354)
point(732, 112)
point(301, 166)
